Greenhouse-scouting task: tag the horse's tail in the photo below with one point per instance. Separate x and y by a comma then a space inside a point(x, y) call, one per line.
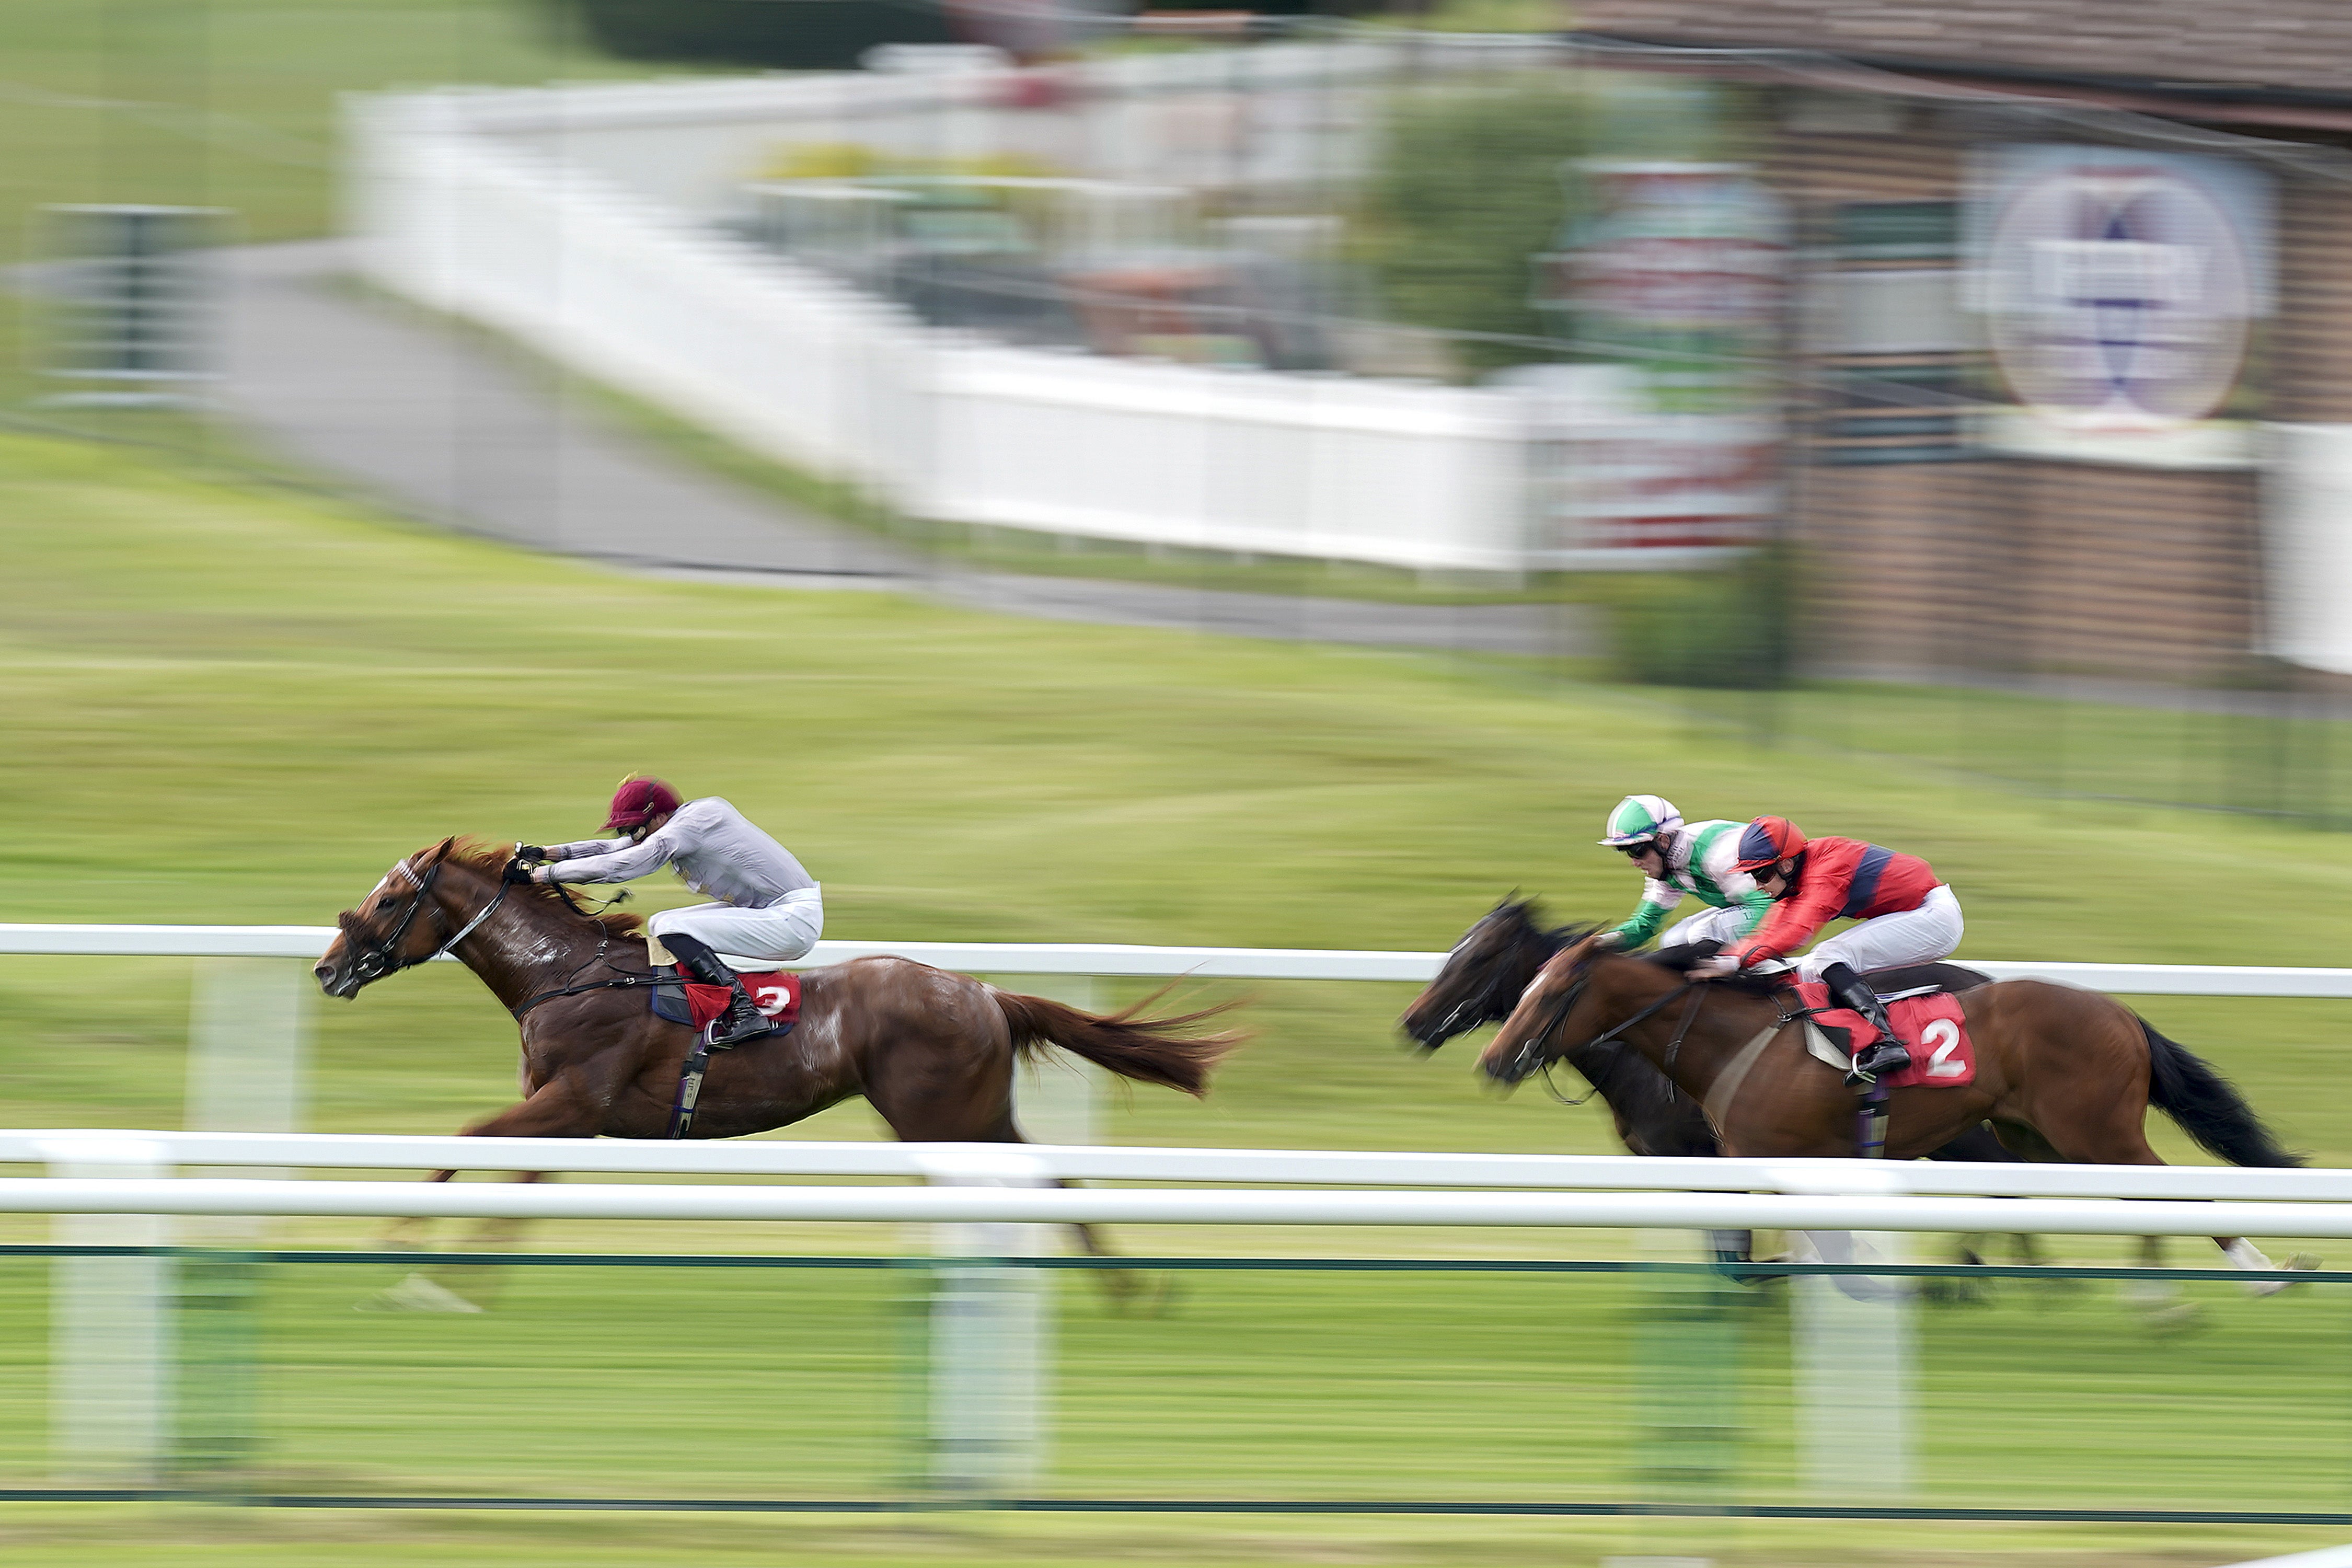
point(1156, 1050)
point(2208, 1106)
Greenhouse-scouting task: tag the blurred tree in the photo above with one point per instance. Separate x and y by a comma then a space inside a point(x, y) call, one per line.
point(1474, 180)
point(1467, 188)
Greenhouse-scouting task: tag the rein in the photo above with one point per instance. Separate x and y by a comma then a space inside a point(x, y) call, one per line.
point(379, 959)
point(1534, 1050)
point(627, 983)
point(1681, 1029)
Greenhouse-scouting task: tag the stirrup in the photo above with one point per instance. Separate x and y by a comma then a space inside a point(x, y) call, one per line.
point(1880, 1058)
point(742, 1021)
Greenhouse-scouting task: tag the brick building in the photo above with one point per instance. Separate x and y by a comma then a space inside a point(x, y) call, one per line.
point(2074, 276)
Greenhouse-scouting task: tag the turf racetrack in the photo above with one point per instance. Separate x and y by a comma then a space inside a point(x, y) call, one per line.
point(229, 704)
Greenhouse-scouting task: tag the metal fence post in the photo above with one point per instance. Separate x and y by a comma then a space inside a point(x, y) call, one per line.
point(110, 1328)
point(1686, 1352)
point(248, 1037)
point(1850, 1359)
point(990, 1331)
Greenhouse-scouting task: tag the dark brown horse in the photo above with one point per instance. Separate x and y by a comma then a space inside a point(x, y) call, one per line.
point(1496, 960)
point(933, 1052)
point(2062, 1074)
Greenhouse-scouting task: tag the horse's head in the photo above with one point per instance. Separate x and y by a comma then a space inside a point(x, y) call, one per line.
point(1537, 1030)
point(1483, 976)
point(400, 923)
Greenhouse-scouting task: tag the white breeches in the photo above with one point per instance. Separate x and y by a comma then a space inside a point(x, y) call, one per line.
point(1885, 942)
point(777, 934)
point(1708, 925)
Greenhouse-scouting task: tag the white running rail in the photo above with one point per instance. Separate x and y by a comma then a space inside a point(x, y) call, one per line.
point(1124, 959)
point(1033, 1163)
point(1166, 1205)
point(994, 1183)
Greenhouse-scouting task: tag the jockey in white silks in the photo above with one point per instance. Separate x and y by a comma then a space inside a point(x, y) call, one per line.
point(768, 907)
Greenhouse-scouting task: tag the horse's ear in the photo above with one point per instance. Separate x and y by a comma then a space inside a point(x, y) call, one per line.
point(441, 851)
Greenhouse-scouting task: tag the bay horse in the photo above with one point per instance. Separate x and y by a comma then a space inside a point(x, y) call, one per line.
point(1496, 960)
point(2062, 1075)
point(933, 1052)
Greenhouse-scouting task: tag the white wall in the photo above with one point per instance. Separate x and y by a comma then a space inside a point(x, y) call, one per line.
point(2307, 548)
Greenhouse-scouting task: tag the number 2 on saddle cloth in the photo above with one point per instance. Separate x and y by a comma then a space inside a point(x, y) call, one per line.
point(1942, 1055)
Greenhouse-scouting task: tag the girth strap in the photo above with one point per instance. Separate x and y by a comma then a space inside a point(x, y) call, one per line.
point(1726, 1088)
point(689, 1086)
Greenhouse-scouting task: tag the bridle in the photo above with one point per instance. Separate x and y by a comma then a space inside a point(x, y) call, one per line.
point(1492, 1002)
point(374, 958)
point(1481, 1005)
point(1535, 1054)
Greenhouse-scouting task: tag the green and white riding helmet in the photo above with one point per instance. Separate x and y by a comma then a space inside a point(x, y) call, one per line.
point(1639, 818)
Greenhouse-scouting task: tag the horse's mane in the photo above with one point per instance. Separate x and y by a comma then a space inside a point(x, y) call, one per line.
point(491, 860)
point(1524, 918)
point(1637, 1090)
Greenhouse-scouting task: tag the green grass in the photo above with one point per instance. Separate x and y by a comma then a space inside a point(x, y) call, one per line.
point(230, 703)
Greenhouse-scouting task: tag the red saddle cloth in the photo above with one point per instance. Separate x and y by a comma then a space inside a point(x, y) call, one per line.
point(1934, 1026)
point(778, 997)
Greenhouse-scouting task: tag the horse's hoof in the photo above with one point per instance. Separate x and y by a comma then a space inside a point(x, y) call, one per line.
point(417, 1294)
point(2303, 1262)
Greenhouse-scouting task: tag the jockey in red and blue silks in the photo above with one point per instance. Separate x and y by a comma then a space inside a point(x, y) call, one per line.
point(1905, 915)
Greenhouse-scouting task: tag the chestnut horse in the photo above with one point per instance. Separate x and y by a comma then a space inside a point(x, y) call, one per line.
point(2062, 1074)
point(933, 1052)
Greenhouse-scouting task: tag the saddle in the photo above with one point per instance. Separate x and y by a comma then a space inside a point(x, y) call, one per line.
point(680, 1000)
point(1919, 1002)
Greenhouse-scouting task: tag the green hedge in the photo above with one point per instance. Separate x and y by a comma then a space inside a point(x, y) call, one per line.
point(1731, 627)
point(777, 35)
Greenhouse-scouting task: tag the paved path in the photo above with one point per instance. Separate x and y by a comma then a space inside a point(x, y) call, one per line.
point(441, 426)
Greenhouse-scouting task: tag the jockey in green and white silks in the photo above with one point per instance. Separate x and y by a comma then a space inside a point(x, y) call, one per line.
point(1675, 858)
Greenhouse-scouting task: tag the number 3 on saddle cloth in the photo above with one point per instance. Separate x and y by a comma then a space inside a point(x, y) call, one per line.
point(682, 1000)
point(1942, 1055)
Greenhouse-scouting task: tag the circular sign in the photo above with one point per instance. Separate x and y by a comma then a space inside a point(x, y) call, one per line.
point(2119, 296)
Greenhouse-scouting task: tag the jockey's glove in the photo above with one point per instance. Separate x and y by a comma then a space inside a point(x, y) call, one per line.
point(1609, 942)
point(516, 871)
point(530, 854)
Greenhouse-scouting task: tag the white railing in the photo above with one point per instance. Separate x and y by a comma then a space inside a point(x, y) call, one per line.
point(1122, 959)
point(1036, 1163)
point(974, 1205)
point(464, 207)
point(1001, 1183)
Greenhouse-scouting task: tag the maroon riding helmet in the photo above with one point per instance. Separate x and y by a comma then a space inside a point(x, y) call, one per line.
point(639, 801)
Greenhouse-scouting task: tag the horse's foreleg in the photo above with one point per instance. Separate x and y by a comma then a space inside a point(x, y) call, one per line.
point(2244, 1254)
point(559, 1108)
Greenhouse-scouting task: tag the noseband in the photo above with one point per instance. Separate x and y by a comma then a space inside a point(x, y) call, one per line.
point(376, 959)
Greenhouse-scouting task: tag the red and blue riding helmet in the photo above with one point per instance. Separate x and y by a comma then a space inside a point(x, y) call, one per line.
point(1768, 841)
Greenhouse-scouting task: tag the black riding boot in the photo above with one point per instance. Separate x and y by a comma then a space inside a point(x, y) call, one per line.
point(1887, 1054)
point(742, 1020)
